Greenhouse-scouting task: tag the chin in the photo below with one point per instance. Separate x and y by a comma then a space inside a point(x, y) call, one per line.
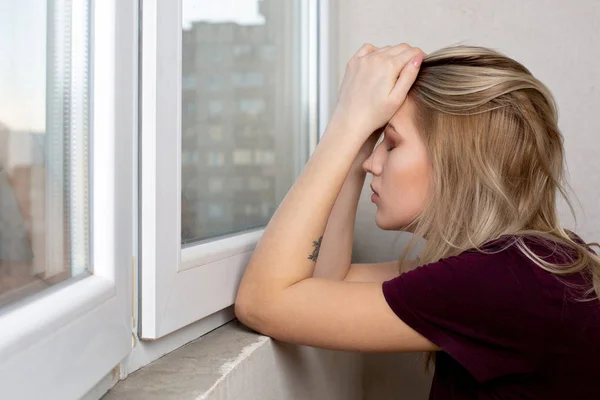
point(388, 224)
point(385, 224)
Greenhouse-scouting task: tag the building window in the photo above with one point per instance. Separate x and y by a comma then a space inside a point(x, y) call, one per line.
point(242, 50)
point(268, 52)
point(215, 82)
point(252, 106)
point(190, 110)
point(257, 183)
point(216, 133)
point(215, 108)
point(189, 82)
point(216, 159)
point(217, 54)
point(264, 157)
point(247, 79)
point(242, 157)
point(251, 209)
point(215, 185)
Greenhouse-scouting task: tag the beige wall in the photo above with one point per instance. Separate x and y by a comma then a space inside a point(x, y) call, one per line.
point(556, 40)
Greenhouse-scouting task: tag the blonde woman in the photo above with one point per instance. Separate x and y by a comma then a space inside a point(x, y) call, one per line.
point(471, 160)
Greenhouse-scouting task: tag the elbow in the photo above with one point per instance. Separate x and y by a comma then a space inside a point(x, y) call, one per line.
point(242, 312)
point(248, 313)
point(254, 307)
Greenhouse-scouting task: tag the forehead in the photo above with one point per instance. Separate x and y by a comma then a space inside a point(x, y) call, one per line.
point(403, 121)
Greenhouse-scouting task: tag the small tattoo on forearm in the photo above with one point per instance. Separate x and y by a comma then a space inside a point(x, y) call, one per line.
point(317, 247)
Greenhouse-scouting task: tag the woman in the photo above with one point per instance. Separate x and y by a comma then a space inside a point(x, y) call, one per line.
point(471, 160)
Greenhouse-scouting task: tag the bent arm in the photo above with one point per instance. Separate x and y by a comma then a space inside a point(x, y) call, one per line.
point(335, 254)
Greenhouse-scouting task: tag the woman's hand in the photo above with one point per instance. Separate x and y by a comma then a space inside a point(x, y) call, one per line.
point(375, 85)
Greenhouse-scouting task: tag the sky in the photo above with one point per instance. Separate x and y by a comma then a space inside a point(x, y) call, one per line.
point(23, 52)
point(23, 64)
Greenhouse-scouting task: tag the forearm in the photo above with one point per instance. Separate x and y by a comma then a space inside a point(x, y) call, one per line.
point(286, 253)
point(336, 246)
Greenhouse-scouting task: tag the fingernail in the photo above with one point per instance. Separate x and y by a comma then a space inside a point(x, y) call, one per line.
point(417, 61)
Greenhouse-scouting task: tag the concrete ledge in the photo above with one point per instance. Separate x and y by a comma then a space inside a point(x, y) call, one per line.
point(233, 362)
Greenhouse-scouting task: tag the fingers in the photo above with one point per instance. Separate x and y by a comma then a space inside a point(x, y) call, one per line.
point(398, 49)
point(391, 50)
point(365, 49)
point(406, 60)
point(408, 74)
point(402, 58)
point(368, 49)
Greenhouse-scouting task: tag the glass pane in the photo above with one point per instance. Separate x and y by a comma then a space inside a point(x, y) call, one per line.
point(242, 140)
point(43, 144)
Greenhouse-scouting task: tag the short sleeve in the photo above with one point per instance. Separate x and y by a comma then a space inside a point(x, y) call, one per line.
point(484, 310)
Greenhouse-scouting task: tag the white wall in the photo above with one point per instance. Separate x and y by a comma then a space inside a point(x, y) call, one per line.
point(557, 40)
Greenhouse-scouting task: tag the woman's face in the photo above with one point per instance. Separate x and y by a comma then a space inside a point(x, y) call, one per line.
point(401, 172)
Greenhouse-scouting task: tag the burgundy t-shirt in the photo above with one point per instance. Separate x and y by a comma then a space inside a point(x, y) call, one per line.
point(507, 329)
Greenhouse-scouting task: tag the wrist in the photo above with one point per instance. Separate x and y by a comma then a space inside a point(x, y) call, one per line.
point(356, 170)
point(340, 121)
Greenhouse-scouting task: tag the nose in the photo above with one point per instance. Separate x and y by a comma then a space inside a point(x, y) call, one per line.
point(374, 164)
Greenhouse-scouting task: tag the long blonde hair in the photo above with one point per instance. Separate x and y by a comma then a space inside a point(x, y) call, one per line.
point(497, 159)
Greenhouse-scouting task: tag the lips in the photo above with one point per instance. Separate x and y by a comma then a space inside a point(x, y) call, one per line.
point(373, 189)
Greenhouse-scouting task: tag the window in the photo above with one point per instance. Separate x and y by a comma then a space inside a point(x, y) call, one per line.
point(215, 185)
point(215, 132)
point(190, 109)
point(189, 82)
point(247, 79)
point(216, 159)
point(256, 183)
point(215, 108)
point(208, 218)
point(241, 50)
point(69, 127)
point(217, 55)
point(252, 106)
point(242, 157)
point(268, 52)
point(67, 123)
point(43, 194)
point(215, 82)
point(250, 209)
point(264, 157)
point(189, 158)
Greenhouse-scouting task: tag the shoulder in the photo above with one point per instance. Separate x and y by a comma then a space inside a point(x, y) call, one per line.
point(498, 277)
point(477, 306)
point(500, 259)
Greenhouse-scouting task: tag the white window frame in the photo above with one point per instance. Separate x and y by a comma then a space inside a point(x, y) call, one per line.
point(60, 343)
point(181, 286)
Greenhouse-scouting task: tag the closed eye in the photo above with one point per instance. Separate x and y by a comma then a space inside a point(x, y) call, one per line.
point(389, 141)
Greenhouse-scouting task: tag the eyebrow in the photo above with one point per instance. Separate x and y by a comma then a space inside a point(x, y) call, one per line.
point(393, 128)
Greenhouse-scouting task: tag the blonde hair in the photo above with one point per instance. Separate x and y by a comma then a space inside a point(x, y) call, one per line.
point(497, 159)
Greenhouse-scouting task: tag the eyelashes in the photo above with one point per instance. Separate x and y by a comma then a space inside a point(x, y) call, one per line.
point(388, 140)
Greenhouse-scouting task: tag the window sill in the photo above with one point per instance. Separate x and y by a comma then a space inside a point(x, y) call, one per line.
point(233, 362)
